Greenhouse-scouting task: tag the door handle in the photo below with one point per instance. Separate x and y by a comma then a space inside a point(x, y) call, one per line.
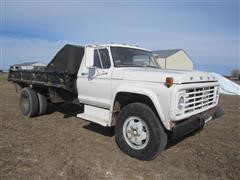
point(84, 74)
point(104, 73)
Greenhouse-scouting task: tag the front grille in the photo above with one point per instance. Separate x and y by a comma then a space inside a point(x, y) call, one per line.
point(199, 98)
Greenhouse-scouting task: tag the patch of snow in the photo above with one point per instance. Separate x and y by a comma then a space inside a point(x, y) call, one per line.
point(227, 86)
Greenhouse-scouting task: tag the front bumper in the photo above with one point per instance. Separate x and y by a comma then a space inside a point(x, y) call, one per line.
point(195, 122)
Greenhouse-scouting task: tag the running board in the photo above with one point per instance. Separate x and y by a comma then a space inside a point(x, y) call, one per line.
point(96, 115)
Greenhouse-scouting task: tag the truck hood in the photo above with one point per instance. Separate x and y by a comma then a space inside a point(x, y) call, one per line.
point(159, 75)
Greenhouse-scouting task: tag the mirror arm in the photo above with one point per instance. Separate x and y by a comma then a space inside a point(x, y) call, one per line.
point(92, 72)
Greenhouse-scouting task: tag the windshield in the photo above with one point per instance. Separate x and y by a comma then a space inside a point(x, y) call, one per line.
point(129, 57)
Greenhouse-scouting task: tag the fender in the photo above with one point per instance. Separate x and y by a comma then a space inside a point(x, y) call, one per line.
point(137, 89)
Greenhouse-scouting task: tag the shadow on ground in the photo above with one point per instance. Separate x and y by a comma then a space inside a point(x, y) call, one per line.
point(71, 110)
point(68, 109)
point(106, 131)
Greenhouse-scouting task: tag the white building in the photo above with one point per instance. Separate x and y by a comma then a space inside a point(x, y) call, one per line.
point(173, 59)
point(29, 66)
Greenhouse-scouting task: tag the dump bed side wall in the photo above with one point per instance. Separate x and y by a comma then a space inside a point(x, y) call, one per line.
point(62, 80)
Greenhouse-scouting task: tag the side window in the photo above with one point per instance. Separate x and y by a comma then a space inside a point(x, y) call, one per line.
point(104, 57)
point(97, 62)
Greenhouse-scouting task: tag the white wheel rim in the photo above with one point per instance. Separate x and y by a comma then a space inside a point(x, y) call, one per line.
point(25, 103)
point(135, 132)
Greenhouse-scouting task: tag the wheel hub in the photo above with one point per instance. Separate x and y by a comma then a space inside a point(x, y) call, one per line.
point(136, 132)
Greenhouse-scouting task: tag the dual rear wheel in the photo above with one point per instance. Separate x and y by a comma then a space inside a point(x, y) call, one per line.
point(32, 103)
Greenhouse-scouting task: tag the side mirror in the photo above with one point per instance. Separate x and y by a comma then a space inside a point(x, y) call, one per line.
point(89, 62)
point(92, 72)
point(89, 56)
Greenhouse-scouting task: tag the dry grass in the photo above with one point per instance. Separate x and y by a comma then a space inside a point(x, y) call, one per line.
point(54, 147)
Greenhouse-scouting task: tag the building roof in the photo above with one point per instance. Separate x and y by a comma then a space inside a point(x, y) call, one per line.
point(166, 53)
point(31, 64)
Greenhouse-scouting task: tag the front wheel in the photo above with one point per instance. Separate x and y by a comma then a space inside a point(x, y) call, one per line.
point(139, 132)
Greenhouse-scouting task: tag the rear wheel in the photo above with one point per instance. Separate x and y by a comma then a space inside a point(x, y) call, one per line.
point(139, 132)
point(28, 102)
point(42, 100)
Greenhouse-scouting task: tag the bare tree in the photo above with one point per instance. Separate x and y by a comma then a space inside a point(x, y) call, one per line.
point(236, 73)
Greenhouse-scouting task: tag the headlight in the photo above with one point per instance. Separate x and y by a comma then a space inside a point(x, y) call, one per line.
point(181, 103)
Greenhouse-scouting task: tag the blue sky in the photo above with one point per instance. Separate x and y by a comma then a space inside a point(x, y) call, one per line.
point(207, 30)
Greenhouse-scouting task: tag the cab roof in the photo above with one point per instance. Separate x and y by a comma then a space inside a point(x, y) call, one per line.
point(118, 45)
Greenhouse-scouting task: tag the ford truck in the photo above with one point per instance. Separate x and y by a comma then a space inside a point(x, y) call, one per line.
point(123, 86)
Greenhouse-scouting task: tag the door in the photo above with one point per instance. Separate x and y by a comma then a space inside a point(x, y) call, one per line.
point(97, 90)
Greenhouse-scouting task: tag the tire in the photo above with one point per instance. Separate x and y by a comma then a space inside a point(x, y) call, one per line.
point(140, 116)
point(42, 102)
point(28, 102)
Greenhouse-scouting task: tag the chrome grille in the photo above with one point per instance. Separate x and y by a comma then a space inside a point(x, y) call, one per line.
point(198, 98)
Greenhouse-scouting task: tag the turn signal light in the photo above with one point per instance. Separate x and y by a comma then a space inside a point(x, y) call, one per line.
point(169, 81)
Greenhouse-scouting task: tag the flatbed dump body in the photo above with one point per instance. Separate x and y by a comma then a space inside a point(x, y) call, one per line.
point(60, 74)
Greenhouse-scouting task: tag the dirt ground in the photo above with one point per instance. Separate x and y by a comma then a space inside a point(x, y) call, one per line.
point(60, 146)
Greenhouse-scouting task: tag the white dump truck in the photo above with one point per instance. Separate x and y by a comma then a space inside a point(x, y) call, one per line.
point(122, 85)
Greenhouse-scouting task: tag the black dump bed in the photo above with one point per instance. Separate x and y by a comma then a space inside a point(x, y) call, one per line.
point(60, 73)
point(67, 60)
